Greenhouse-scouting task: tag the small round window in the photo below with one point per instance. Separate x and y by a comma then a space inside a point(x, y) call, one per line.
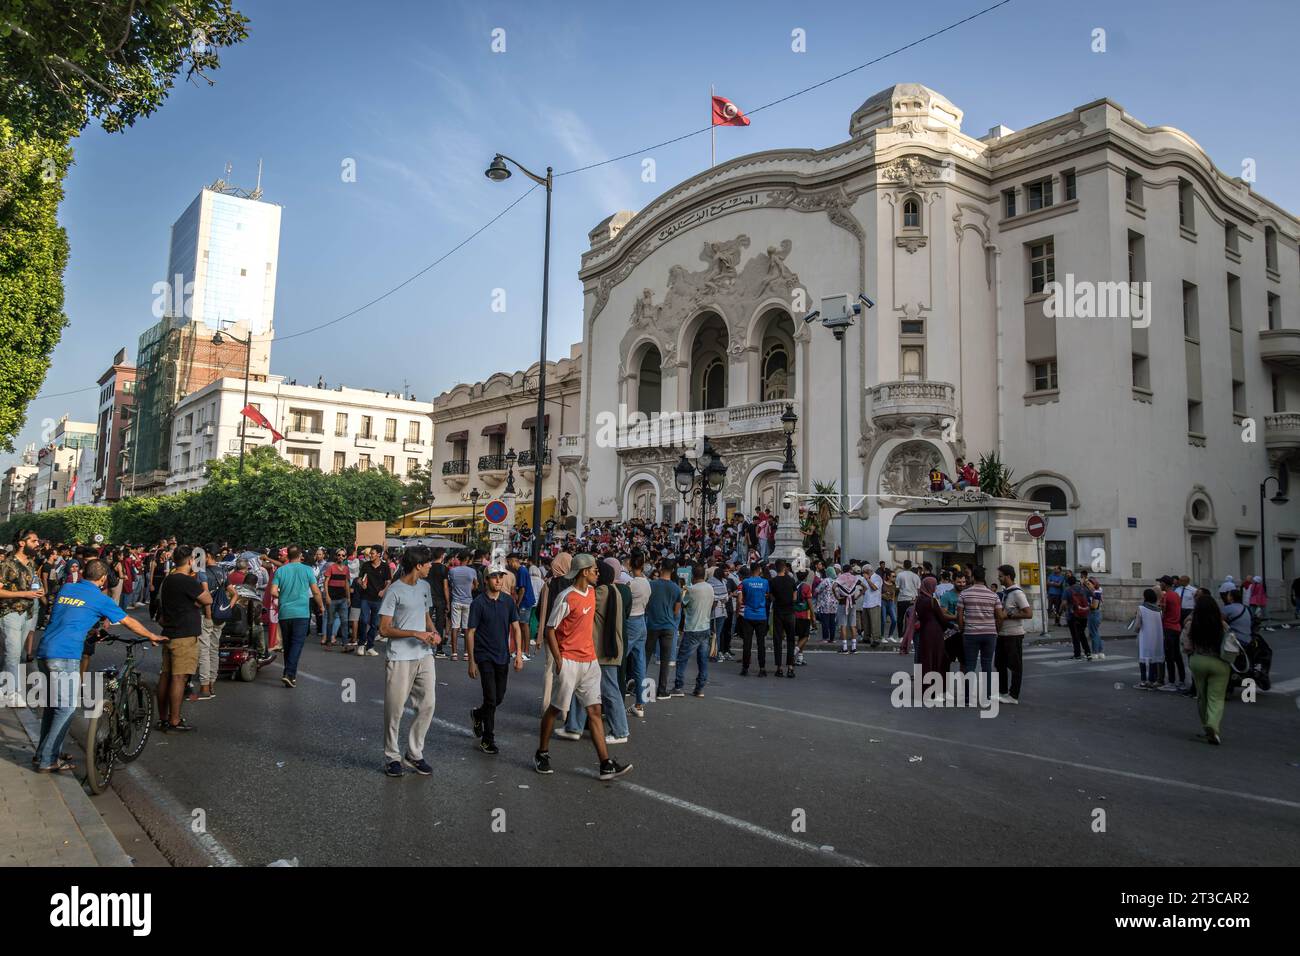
point(1200, 510)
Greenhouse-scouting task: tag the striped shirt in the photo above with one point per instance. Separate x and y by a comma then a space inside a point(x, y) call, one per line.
point(979, 610)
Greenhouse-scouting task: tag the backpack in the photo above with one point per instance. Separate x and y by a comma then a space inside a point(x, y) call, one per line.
point(220, 597)
point(802, 594)
point(1079, 602)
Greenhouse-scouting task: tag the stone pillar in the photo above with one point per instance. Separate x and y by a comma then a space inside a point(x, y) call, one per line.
point(789, 539)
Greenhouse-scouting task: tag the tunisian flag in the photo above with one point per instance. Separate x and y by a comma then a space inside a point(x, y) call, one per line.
point(257, 418)
point(727, 113)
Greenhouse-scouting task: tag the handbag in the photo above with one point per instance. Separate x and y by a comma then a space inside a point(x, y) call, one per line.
point(1230, 648)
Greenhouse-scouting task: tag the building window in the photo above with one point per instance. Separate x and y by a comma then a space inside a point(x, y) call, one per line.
point(1234, 302)
point(340, 460)
point(1009, 202)
point(1195, 418)
point(911, 214)
point(1042, 265)
point(1186, 205)
point(713, 385)
point(340, 424)
point(1274, 310)
point(367, 429)
point(775, 377)
point(1279, 397)
point(1090, 552)
point(1049, 495)
point(389, 464)
point(1270, 248)
point(1133, 187)
point(363, 462)
point(1141, 372)
point(390, 429)
point(1067, 178)
point(1230, 237)
point(912, 363)
point(1238, 398)
point(911, 327)
point(413, 431)
point(1039, 195)
point(1045, 376)
point(1191, 319)
point(412, 464)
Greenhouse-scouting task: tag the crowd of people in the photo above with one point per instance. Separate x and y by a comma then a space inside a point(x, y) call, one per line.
point(599, 606)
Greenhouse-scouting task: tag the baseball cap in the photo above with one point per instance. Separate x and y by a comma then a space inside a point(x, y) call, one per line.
point(581, 562)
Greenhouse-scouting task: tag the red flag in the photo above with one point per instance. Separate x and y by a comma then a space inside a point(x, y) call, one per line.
point(257, 418)
point(72, 488)
point(727, 113)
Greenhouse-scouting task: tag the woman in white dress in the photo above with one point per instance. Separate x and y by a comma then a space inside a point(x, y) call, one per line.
point(1151, 636)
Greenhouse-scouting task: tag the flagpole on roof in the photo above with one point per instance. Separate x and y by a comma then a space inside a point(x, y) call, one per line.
point(713, 130)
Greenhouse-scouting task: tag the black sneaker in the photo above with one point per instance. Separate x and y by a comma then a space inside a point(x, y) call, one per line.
point(286, 681)
point(542, 761)
point(394, 769)
point(777, 672)
point(611, 768)
point(789, 672)
point(478, 724)
point(181, 728)
point(488, 747)
point(420, 766)
point(677, 692)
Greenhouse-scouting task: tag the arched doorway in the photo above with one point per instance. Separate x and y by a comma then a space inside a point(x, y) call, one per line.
point(765, 492)
point(649, 382)
point(776, 371)
point(642, 501)
point(709, 364)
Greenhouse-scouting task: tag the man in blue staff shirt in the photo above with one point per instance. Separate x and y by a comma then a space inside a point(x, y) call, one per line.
point(79, 607)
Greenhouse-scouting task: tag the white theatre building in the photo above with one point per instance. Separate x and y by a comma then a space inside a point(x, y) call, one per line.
point(1143, 418)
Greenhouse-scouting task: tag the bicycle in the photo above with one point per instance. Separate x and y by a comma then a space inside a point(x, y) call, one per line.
point(125, 721)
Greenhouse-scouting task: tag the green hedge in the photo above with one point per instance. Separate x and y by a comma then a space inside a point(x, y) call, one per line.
point(271, 504)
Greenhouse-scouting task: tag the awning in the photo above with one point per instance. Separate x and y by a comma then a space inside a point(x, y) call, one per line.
point(933, 531)
point(494, 429)
point(532, 420)
point(458, 436)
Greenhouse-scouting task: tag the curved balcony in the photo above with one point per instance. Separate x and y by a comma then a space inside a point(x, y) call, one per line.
point(1280, 347)
point(916, 404)
point(1282, 434)
point(527, 463)
point(455, 473)
point(492, 469)
point(569, 449)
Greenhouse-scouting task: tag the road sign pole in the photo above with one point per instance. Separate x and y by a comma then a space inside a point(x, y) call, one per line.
point(1042, 585)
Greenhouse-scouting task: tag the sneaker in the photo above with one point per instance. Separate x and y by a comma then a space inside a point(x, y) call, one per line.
point(800, 662)
point(789, 672)
point(697, 693)
point(371, 652)
point(1098, 657)
point(420, 766)
point(286, 681)
point(475, 722)
point(349, 648)
point(567, 735)
point(1168, 688)
point(676, 692)
point(1007, 699)
point(844, 649)
point(293, 682)
point(542, 761)
point(777, 672)
point(611, 739)
point(487, 747)
point(394, 769)
point(181, 728)
point(853, 648)
point(609, 769)
point(637, 711)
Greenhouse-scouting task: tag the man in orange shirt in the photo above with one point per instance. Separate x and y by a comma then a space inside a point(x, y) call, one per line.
point(569, 637)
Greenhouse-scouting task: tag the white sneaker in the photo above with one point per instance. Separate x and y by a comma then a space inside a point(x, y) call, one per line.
point(372, 653)
point(1007, 699)
point(567, 735)
point(611, 739)
point(637, 711)
point(526, 658)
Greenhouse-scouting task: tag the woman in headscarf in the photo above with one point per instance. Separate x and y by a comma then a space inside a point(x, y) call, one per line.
point(1202, 639)
point(607, 632)
point(824, 603)
point(1151, 641)
point(929, 619)
point(557, 582)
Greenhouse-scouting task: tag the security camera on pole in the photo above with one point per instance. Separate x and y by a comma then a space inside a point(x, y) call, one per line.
point(837, 316)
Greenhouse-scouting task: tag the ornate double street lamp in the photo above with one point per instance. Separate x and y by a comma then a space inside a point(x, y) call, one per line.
point(703, 482)
point(499, 172)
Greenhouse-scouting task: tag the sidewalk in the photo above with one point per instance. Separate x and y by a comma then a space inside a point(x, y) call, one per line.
point(46, 819)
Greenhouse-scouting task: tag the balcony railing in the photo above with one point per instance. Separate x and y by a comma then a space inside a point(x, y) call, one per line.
point(413, 444)
point(492, 463)
point(683, 429)
point(458, 467)
point(528, 459)
point(917, 399)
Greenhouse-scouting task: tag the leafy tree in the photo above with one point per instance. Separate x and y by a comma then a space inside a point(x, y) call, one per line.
point(418, 488)
point(33, 254)
point(62, 63)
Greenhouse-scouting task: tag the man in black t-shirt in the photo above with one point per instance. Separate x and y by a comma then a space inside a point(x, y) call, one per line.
point(783, 590)
point(181, 601)
point(437, 580)
point(372, 581)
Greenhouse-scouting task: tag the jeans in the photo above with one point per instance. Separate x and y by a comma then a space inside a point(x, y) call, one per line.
point(693, 644)
point(63, 679)
point(493, 677)
point(749, 630)
point(15, 627)
point(660, 639)
point(613, 710)
point(981, 646)
point(293, 634)
point(783, 625)
point(336, 619)
point(1094, 630)
point(634, 634)
point(1009, 660)
point(889, 612)
point(764, 548)
point(368, 625)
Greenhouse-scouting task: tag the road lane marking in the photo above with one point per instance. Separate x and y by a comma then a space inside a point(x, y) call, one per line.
point(718, 817)
point(1093, 768)
point(172, 807)
point(1127, 665)
point(1285, 687)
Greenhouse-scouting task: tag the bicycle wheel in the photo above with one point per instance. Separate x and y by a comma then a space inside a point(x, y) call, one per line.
point(136, 719)
point(100, 750)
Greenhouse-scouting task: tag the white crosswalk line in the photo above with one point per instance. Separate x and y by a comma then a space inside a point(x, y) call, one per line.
point(1286, 686)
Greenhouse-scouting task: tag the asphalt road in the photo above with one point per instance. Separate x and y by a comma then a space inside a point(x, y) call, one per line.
point(275, 774)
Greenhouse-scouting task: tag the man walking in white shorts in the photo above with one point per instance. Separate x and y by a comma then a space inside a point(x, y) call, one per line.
point(570, 639)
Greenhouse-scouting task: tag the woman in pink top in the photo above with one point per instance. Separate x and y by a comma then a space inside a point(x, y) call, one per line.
point(1258, 597)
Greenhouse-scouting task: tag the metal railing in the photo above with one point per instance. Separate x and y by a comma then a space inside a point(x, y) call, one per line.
point(492, 463)
point(456, 467)
point(528, 459)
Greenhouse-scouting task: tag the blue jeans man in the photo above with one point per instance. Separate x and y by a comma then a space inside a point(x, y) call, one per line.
point(694, 644)
point(63, 683)
point(368, 625)
point(293, 632)
point(336, 619)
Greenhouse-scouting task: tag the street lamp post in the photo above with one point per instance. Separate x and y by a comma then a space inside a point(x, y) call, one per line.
point(704, 481)
point(1279, 498)
point(498, 172)
point(219, 340)
point(473, 504)
point(511, 458)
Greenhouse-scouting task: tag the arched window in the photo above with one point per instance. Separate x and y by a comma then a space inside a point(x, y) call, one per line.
point(911, 214)
point(1049, 495)
point(649, 382)
point(776, 363)
point(713, 385)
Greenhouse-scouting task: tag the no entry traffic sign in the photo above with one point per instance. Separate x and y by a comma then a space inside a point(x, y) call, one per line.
point(495, 511)
point(1036, 525)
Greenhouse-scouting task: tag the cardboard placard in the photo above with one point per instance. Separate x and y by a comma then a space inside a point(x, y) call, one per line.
point(371, 534)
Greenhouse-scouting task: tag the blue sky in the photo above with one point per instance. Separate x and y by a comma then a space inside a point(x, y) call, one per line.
point(411, 90)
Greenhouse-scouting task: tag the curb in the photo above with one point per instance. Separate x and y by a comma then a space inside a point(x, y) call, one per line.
point(103, 844)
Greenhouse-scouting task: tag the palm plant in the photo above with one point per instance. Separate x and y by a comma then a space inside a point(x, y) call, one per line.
point(995, 477)
point(827, 498)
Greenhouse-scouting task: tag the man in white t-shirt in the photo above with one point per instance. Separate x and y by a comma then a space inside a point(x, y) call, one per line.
point(1008, 656)
point(871, 605)
point(908, 584)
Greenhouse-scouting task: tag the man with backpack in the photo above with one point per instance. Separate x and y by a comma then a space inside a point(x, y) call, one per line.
point(1008, 659)
point(1077, 606)
point(213, 579)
